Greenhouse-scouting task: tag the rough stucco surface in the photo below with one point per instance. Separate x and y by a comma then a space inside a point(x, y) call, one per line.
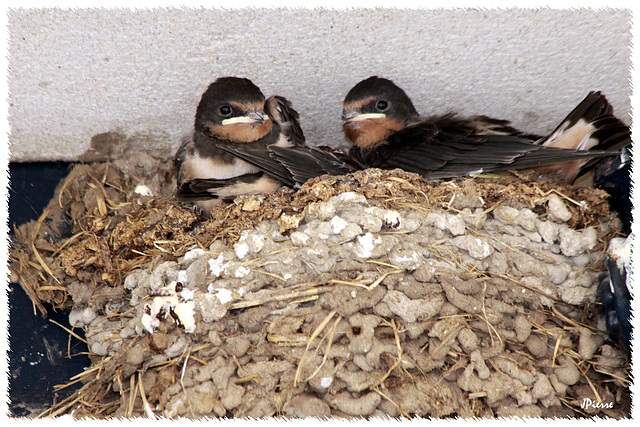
point(135, 77)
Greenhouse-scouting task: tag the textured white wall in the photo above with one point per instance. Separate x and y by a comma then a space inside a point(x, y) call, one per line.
point(135, 77)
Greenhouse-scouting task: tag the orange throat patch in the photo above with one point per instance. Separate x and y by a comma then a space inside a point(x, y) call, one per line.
point(371, 132)
point(242, 132)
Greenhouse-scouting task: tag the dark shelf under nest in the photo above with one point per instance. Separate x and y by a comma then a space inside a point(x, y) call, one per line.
point(37, 347)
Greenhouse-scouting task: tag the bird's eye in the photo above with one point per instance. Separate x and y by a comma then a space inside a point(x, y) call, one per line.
point(382, 105)
point(225, 110)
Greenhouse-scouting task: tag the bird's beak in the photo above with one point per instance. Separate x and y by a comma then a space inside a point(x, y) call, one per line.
point(252, 118)
point(354, 116)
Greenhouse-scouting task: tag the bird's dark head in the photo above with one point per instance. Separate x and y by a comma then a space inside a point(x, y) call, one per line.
point(374, 109)
point(232, 109)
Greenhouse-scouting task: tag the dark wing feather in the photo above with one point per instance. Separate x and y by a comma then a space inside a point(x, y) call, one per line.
point(447, 153)
point(262, 158)
point(204, 188)
point(484, 125)
point(186, 146)
point(281, 112)
point(293, 166)
point(305, 163)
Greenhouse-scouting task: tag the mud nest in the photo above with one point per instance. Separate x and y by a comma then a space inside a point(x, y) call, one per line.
point(372, 294)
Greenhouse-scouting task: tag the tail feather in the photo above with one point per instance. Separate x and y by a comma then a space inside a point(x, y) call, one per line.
point(590, 126)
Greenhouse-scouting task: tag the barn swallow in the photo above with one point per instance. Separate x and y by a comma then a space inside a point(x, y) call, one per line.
point(616, 291)
point(232, 112)
point(613, 174)
point(387, 132)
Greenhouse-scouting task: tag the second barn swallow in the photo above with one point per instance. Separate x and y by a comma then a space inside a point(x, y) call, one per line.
point(616, 290)
point(232, 112)
point(387, 132)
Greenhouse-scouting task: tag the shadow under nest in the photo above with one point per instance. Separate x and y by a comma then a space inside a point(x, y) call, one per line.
point(373, 294)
